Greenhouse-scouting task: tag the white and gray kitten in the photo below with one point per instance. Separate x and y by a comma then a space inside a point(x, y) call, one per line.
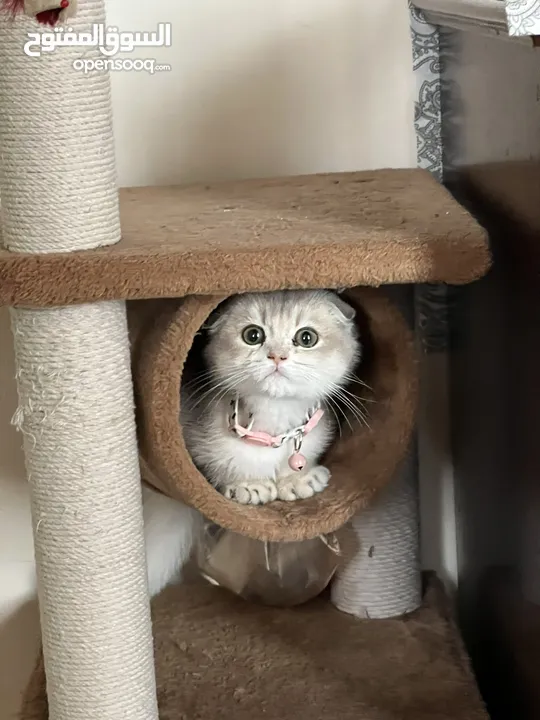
point(282, 354)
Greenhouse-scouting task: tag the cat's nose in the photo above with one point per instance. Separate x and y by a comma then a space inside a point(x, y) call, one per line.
point(277, 357)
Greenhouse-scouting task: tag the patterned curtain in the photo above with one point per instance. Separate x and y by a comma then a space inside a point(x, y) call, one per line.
point(523, 17)
point(431, 300)
point(435, 474)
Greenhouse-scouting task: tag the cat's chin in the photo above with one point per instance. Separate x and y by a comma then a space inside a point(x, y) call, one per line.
point(278, 387)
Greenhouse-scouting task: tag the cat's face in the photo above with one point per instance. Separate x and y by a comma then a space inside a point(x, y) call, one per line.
point(291, 344)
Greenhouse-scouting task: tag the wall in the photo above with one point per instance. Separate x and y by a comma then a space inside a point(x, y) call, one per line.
point(263, 87)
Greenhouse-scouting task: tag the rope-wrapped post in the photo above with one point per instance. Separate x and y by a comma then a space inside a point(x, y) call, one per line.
point(380, 573)
point(58, 193)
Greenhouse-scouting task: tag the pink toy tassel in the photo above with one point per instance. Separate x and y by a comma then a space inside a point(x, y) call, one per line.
point(45, 17)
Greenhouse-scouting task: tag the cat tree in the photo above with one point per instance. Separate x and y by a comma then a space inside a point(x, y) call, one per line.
point(66, 271)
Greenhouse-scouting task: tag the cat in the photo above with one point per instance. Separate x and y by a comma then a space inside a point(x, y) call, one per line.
point(275, 358)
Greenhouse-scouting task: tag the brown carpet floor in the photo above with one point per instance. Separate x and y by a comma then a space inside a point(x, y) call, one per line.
point(221, 658)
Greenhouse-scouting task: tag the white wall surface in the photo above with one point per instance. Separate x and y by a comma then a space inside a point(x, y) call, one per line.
point(266, 87)
point(257, 88)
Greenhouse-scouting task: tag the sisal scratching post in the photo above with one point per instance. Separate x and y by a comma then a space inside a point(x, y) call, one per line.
point(75, 394)
point(380, 573)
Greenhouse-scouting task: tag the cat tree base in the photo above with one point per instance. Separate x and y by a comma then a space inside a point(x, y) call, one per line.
point(220, 657)
point(216, 655)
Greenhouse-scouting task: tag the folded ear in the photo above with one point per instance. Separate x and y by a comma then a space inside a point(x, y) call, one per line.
point(213, 322)
point(344, 309)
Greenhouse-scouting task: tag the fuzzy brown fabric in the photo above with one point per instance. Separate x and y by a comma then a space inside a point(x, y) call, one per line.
point(220, 658)
point(361, 461)
point(337, 230)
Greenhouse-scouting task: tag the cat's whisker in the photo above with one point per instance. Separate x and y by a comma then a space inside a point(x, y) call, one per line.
point(344, 389)
point(349, 398)
point(199, 388)
point(333, 402)
point(197, 376)
point(350, 401)
point(360, 398)
point(221, 385)
point(201, 382)
point(341, 394)
point(359, 402)
point(353, 409)
point(231, 384)
point(350, 409)
point(356, 397)
point(352, 377)
point(312, 375)
point(330, 406)
point(222, 393)
point(213, 383)
point(208, 375)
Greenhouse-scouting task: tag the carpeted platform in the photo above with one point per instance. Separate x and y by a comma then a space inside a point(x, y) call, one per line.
point(336, 230)
point(221, 658)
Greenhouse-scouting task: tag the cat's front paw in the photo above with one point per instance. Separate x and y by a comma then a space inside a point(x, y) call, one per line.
point(305, 485)
point(251, 492)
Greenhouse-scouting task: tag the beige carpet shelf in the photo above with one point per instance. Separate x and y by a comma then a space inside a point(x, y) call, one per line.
point(333, 230)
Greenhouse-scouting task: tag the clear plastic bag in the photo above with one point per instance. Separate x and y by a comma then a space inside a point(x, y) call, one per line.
point(278, 574)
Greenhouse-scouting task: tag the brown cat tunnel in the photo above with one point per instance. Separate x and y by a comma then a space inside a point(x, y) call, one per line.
point(362, 460)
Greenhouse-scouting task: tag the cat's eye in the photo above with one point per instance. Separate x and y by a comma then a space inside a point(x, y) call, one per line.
point(306, 338)
point(253, 335)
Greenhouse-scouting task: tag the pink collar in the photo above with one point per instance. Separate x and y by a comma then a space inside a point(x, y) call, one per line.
point(265, 439)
